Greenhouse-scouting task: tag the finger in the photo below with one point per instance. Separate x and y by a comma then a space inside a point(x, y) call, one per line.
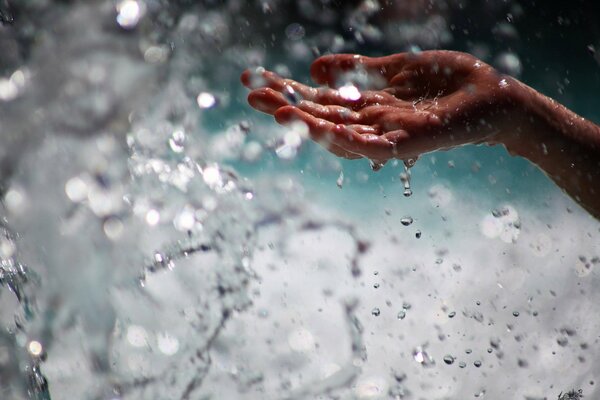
point(253, 78)
point(337, 134)
point(338, 151)
point(292, 90)
point(266, 100)
point(327, 69)
point(354, 101)
point(365, 129)
point(334, 113)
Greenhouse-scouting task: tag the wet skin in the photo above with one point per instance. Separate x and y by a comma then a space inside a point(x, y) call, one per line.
point(417, 103)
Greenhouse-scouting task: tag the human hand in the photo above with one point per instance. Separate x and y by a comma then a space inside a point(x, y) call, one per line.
point(409, 103)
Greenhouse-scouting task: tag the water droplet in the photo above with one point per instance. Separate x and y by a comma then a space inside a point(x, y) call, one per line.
point(76, 189)
point(421, 356)
point(462, 364)
point(295, 31)
point(451, 314)
point(405, 176)
point(406, 221)
point(340, 180)
point(35, 348)
point(402, 314)
point(376, 165)
point(375, 312)
point(448, 359)
point(503, 83)
point(177, 141)
point(129, 13)
point(477, 363)
point(167, 344)
point(291, 95)
point(418, 234)
point(509, 63)
point(206, 100)
point(522, 363)
point(515, 313)
point(152, 217)
point(113, 227)
point(349, 92)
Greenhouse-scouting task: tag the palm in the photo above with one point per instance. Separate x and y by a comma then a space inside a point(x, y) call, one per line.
point(412, 103)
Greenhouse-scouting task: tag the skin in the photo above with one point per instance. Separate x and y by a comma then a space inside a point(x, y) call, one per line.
point(433, 100)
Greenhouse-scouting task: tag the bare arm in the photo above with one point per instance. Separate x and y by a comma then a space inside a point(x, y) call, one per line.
point(434, 100)
point(563, 144)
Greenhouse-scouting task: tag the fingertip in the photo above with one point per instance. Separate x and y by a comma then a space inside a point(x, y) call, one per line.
point(266, 100)
point(245, 78)
point(286, 114)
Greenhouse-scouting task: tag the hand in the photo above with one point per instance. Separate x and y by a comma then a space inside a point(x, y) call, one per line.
point(411, 103)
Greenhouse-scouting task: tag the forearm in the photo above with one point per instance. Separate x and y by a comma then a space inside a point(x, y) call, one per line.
point(563, 144)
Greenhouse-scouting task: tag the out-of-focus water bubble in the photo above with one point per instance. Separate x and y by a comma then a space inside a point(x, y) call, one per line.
point(156, 54)
point(506, 30)
point(137, 336)
point(76, 189)
point(152, 217)
point(295, 31)
point(371, 387)
point(301, 340)
point(113, 228)
point(508, 63)
point(504, 223)
point(129, 13)
point(7, 247)
point(167, 343)
point(185, 220)
point(252, 151)
point(292, 140)
point(439, 196)
point(349, 92)
point(35, 348)
point(15, 200)
point(206, 100)
point(11, 87)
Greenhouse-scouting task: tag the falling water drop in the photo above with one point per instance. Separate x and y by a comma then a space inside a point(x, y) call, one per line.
point(376, 165)
point(405, 176)
point(406, 221)
point(340, 180)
